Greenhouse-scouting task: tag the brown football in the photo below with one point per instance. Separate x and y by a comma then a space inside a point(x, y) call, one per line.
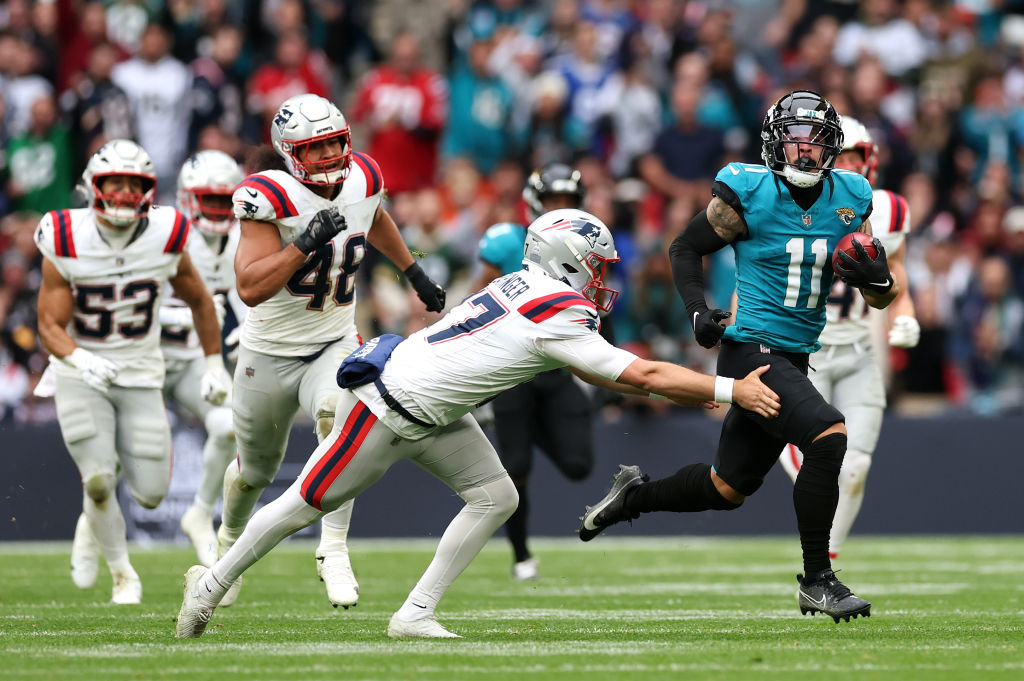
point(846, 245)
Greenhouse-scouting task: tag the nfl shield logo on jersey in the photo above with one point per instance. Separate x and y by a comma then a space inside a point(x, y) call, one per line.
point(807, 220)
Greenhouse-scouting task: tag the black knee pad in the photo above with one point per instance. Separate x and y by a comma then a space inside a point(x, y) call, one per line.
point(830, 449)
point(822, 461)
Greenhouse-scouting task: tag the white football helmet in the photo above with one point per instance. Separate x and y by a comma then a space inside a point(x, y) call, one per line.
point(857, 138)
point(574, 247)
point(205, 184)
point(120, 157)
point(305, 119)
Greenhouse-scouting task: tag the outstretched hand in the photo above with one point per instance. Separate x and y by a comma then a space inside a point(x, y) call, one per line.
point(753, 395)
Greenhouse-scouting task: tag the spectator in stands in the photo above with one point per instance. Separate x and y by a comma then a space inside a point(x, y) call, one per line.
point(868, 93)
point(87, 29)
point(637, 119)
point(552, 134)
point(157, 86)
point(685, 154)
point(20, 276)
point(989, 343)
point(296, 69)
point(588, 73)
point(882, 33)
point(21, 83)
point(98, 110)
point(1013, 225)
point(405, 106)
point(39, 161)
point(481, 109)
point(218, 89)
point(992, 128)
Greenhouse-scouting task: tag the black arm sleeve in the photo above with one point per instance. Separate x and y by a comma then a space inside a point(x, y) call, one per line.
point(694, 242)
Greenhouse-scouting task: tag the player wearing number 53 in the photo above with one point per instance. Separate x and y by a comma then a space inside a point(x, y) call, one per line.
point(783, 219)
point(106, 269)
point(306, 218)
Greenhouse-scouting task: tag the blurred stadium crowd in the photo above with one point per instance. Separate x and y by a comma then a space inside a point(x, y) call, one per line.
point(458, 100)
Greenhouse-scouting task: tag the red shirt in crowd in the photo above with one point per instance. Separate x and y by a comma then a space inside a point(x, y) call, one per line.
point(406, 113)
point(273, 83)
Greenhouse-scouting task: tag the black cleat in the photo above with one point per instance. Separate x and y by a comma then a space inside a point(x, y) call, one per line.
point(825, 593)
point(611, 509)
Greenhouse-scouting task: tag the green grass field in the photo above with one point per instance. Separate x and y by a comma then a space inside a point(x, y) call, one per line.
point(672, 608)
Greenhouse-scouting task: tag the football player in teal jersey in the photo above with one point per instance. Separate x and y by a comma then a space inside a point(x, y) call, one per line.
point(550, 412)
point(783, 219)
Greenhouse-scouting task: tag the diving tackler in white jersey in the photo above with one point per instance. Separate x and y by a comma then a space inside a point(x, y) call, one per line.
point(411, 400)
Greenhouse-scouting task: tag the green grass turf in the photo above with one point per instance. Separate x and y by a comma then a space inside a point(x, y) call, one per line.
point(671, 608)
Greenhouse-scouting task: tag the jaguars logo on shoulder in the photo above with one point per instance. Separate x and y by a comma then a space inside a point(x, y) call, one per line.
point(846, 215)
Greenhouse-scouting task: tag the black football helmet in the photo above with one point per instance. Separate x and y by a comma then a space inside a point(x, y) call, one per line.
point(808, 118)
point(552, 179)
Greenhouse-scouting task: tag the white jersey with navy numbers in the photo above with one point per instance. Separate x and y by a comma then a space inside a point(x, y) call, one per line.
point(317, 305)
point(214, 259)
point(117, 292)
point(518, 326)
point(847, 319)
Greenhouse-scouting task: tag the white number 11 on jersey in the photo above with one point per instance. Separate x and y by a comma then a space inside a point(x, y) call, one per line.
point(795, 248)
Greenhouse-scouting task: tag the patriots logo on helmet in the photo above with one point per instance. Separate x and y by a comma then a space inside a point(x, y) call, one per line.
point(588, 231)
point(282, 117)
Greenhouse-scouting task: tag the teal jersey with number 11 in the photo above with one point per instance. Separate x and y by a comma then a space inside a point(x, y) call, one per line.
point(784, 263)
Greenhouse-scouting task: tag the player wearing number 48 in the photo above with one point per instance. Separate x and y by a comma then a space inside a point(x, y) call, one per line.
point(306, 218)
point(783, 219)
point(106, 269)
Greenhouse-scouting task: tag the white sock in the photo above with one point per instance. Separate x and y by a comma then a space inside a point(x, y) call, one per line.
point(266, 529)
point(334, 530)
point(218, 452)
point(487, 508)
point(108, 527)
point(239, 500)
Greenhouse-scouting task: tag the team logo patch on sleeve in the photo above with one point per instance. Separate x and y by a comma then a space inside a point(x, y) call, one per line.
point(846, 215)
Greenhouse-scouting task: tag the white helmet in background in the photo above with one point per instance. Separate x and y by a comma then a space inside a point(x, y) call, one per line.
point(120, 157)
point(574, 247)
point(305, 119)
point(857, 138)
point(205, 184)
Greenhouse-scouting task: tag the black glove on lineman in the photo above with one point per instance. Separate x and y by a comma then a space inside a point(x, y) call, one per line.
point(321, 229)
point(864, 272)
point(706, 327)
point(429, 292)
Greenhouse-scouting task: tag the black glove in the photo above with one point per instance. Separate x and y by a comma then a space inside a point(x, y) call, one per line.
point(706, 327)
point(321, 229)
point(864, 272)
point(429, 292)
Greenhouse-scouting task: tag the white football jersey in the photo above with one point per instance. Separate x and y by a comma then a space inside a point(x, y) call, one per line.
point(846, 314)
point(116, 292)
point(518, 326)
point(217, 269)
point(317, 305)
